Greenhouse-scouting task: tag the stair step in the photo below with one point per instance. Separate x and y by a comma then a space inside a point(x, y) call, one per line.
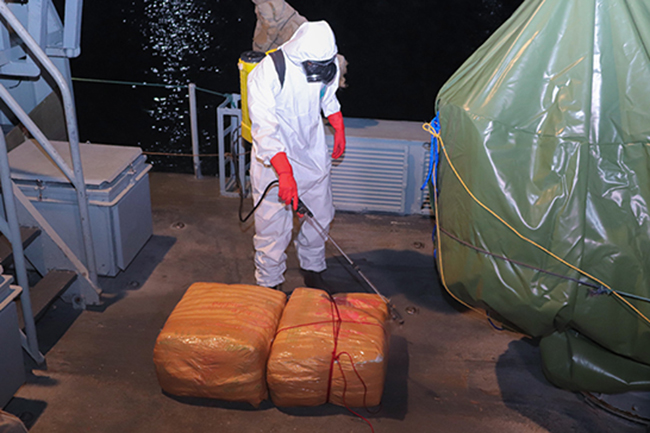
point(47, 290)
point(27, 234)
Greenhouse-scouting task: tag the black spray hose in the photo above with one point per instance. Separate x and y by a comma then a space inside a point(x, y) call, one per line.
point(304, 210)
point(241, 202)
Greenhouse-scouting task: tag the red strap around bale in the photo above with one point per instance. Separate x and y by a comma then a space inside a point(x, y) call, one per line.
point(336, 322)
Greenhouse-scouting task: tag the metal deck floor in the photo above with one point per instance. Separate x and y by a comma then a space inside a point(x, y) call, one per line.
point(448, 370)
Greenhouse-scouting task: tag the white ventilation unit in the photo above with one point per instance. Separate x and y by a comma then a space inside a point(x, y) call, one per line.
point(383, 167)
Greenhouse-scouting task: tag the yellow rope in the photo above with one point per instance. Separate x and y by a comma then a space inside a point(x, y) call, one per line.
point(427, 127)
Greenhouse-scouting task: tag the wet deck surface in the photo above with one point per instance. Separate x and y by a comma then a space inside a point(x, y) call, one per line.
point(449, 370)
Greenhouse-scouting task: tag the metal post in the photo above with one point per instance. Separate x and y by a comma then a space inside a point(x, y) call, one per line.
point(239, 138)
point(18, 253)
point(194, 124)
point(72, 27)
point(221, 149)
point(228, 186)
point(73, 134)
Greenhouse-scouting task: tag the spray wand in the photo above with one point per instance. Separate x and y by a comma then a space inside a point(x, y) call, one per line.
point(304, 210)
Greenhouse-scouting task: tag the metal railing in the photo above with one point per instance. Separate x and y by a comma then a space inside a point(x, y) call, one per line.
point(192, 90)
point(74, 175)
point(232, 154)
point(11, 230)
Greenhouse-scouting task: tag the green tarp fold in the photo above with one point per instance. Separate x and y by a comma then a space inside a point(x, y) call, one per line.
point(548, 126)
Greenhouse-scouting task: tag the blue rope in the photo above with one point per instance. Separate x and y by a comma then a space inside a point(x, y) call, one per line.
point(492, 323)
point(434, 155)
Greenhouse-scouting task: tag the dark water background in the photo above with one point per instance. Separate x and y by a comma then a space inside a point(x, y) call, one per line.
point(400, 53)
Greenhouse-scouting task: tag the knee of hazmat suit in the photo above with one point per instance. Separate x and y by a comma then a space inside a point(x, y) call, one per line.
point(286, 118)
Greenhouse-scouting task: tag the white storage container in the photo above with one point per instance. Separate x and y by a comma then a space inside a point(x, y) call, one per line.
point(117, 185)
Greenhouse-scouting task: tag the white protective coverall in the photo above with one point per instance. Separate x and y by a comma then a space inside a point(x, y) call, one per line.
point(288, 119)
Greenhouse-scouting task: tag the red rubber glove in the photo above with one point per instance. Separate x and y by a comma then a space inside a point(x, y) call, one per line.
point(288, 190)
point(336, 120)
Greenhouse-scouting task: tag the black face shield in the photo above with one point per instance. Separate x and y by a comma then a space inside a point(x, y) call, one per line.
point(323, 71)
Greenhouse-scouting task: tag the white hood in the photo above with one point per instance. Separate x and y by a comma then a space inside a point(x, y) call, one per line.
point(312, 41)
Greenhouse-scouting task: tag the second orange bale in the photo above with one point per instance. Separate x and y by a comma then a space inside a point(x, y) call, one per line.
point(329, 350)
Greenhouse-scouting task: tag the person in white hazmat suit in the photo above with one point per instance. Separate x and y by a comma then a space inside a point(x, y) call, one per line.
point(289, 145)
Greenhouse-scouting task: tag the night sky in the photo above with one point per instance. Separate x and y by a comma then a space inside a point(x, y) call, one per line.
point(400, 53)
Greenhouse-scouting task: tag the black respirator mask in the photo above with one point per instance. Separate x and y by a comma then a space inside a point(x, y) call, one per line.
point(323, 71)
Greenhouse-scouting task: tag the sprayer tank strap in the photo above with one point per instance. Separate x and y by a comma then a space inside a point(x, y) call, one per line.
point(280, 65)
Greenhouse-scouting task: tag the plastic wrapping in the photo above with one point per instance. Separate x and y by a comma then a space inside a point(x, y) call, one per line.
point(305, 350)
point(548, 125)
point(216, 342)
point(11, 424)
point(576, 363)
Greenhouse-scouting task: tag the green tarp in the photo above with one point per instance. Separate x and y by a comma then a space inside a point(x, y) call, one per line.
point(548, 125)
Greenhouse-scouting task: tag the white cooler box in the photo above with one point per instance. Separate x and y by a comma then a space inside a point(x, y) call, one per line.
point(117, 184)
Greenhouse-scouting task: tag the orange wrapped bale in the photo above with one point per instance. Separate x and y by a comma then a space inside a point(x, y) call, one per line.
point(362, 350)
point(317, 358)
point(216, 342)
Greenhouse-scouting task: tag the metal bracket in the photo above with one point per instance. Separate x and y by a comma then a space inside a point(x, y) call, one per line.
point(232, 154)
